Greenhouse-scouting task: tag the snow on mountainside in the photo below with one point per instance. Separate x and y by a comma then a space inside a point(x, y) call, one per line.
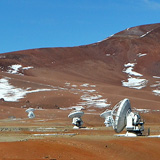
point(124, 64)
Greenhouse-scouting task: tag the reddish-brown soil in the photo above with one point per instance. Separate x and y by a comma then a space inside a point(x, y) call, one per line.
point(66, 143)
point(72, 148)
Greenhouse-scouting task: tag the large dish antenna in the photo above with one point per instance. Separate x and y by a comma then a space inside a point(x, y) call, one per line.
point(30, 112)
point(76, 115)
point(120, 111)
point(121, 116)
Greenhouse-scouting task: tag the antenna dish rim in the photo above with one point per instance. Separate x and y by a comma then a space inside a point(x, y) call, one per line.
point(124, 108)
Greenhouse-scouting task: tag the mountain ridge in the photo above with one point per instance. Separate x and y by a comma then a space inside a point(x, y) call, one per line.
point(124, 64)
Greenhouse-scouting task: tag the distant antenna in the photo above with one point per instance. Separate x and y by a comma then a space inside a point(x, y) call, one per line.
point(76, 117)
point(30, 112)
point(121, 116)
point(108, 118)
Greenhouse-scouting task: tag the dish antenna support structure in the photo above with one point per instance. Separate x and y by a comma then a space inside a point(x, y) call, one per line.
point(76, 115)
point(30, 112)
point(121, 116)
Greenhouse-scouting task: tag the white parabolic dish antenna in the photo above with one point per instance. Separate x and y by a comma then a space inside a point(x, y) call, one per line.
point(124, 108)
point(30, 112)
point(75, 113)
point(121, 116)
point(76, 117)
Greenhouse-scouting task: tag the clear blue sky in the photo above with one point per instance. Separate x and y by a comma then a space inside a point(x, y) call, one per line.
point(28, 24)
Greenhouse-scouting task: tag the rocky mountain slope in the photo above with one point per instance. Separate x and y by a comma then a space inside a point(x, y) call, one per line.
point(94, 76)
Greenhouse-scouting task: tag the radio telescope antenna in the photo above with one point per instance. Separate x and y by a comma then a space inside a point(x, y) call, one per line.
point(76, 117)
point(30, 112)
point(121, 116)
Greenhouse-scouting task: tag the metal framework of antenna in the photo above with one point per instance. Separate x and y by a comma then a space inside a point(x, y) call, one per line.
point(121, 116)
point(76, 115)
point(30, 112)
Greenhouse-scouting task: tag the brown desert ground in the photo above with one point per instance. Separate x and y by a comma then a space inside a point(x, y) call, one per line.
point(55, 80)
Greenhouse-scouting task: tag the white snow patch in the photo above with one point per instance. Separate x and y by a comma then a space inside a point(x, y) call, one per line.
point(90, 97)
point(14, 68)
point(93, 101)
point(156, 77)
point(9, 92)
point(135, 83)
point(87, 97)
point(156, 92)
point(29, 67)
point(106, 38)
point(146, 33)
point(130, 72)
point(141, 54)
point(13, 94)
point(39, 90)
point(108, 55)
point(85, 85)
point(156, 85)
point(129, 64)
point(91, 90)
